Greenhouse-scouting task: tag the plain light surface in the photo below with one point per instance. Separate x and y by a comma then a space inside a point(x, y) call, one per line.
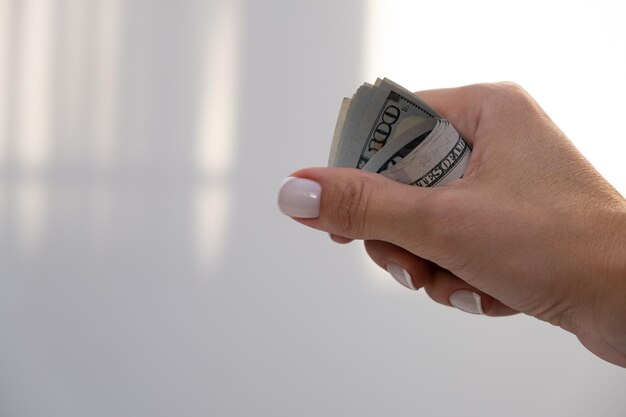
point(145, 269)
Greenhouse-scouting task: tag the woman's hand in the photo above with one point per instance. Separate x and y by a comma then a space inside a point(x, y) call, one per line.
point(532, 227)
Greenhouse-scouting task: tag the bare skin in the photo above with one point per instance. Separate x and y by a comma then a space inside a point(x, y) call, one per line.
point(532, 227)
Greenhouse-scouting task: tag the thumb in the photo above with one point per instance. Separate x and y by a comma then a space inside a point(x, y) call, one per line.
point(358, 205)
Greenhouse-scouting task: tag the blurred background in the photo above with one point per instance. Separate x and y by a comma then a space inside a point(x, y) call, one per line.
point(144, 267)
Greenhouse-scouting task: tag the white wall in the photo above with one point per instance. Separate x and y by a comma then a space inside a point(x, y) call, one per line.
point(144, 267)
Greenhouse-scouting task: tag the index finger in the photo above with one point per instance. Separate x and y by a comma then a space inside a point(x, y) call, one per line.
point(462, 106)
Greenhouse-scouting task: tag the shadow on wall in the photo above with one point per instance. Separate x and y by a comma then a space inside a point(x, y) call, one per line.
point(139, 166)
point(102, 103)
point(115, 115)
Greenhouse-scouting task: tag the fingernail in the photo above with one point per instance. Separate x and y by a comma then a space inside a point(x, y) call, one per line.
point(299, 197)
point(401, 275)
point(467, 301)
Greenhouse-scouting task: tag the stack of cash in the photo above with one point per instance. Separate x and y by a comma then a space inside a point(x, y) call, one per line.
point(385, 128)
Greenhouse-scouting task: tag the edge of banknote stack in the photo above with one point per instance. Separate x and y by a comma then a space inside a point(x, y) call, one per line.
point(385, 128)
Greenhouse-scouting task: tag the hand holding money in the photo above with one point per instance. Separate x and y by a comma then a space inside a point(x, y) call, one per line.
point(386, 129)
point(532, 227)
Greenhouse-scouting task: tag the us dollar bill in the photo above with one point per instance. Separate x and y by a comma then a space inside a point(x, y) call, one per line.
point(385, 128)
point(438, 159)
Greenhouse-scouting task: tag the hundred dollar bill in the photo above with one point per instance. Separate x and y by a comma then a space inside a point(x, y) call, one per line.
point(387, 129)
point(403, 145)
point(436, 160)
point(382, 109)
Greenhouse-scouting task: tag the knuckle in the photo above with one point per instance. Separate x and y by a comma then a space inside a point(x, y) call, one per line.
point(504, 98)
point(499, 89)
point(513, 93)
point(352, 209)
point(511, 87)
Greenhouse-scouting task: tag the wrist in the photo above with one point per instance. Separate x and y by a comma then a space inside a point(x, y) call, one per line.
point(601, 324)
point(615, 311)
